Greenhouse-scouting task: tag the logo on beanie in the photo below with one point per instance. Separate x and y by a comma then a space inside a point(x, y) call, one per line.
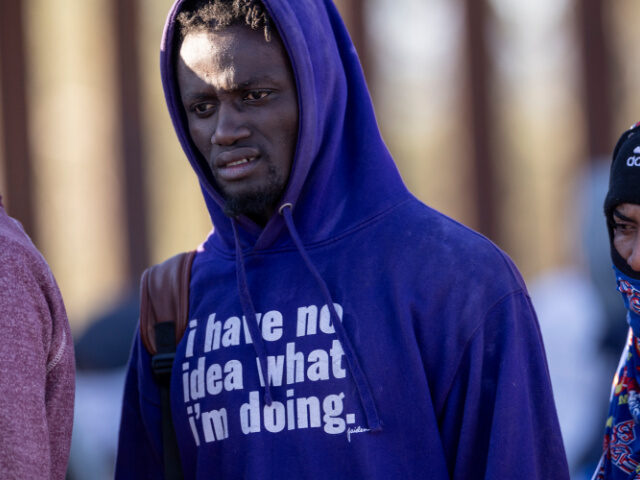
point(634, 161)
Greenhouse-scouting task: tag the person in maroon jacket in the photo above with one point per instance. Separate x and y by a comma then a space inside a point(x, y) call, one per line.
point(36, 362)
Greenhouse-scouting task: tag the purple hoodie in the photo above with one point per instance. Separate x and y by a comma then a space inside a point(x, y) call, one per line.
point(37, 363)
point(359, 334)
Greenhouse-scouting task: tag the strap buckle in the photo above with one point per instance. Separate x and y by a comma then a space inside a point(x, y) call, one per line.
point(162, 364)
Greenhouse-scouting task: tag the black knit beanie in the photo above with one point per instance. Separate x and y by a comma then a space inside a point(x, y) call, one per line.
point(624, 187)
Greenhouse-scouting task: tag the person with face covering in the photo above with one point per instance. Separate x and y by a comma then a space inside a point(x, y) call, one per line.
point(621, 448)
point(338, 327)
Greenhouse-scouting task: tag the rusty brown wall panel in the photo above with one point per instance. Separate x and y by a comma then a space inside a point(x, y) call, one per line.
point(126, 35)
point(19, 195)
point(480, 117)
point(596, 67)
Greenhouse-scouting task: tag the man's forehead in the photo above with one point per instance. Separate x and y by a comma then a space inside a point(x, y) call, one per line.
point(233, 57)
point(208, 44)
point(212, 56)
point(627, 211)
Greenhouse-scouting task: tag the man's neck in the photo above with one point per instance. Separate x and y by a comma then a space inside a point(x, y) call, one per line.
point(261, 219)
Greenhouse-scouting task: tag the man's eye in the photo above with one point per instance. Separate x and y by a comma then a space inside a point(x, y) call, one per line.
point(623, 227)
point(256, 95)
point(203, 108)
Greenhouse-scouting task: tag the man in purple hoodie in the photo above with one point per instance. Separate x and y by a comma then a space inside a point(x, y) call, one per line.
point(36, 362)
point(338, 327)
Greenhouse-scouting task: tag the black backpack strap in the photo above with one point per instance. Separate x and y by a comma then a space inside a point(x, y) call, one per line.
point(164, 314)
point(162, 363)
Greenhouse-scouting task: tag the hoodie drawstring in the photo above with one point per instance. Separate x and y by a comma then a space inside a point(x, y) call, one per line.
point(366, 396)
point(364, 391)
point(250, 315)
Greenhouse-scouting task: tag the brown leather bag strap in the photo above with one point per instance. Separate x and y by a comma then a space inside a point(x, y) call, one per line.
point(164, 297)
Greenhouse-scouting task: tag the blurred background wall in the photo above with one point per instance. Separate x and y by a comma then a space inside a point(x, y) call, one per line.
point(499, 113)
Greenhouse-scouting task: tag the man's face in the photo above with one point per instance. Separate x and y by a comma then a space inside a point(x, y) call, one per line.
point(240, 98)
point(626, 239)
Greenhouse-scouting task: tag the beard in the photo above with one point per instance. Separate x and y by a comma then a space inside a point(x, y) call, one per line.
point(257, 204)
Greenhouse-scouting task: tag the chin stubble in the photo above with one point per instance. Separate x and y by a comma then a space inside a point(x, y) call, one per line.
point(258, 202)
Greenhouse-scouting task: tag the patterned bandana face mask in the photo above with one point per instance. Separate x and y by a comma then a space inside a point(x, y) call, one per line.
point(629, 288)
point(621, 449)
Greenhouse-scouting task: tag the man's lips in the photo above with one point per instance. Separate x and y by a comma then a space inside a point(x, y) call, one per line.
point(235, 164)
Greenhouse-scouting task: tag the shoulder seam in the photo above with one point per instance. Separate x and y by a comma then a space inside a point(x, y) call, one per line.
point(61, 349)
point(506, 260)
point(519, 291)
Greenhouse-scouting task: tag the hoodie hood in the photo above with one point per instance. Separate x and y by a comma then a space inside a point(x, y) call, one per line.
point(342, 173)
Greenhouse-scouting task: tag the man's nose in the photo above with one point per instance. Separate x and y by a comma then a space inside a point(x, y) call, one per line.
point(634, 257)
point(230, 126)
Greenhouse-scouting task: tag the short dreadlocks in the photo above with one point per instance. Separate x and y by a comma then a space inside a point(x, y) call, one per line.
point(199, 15)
